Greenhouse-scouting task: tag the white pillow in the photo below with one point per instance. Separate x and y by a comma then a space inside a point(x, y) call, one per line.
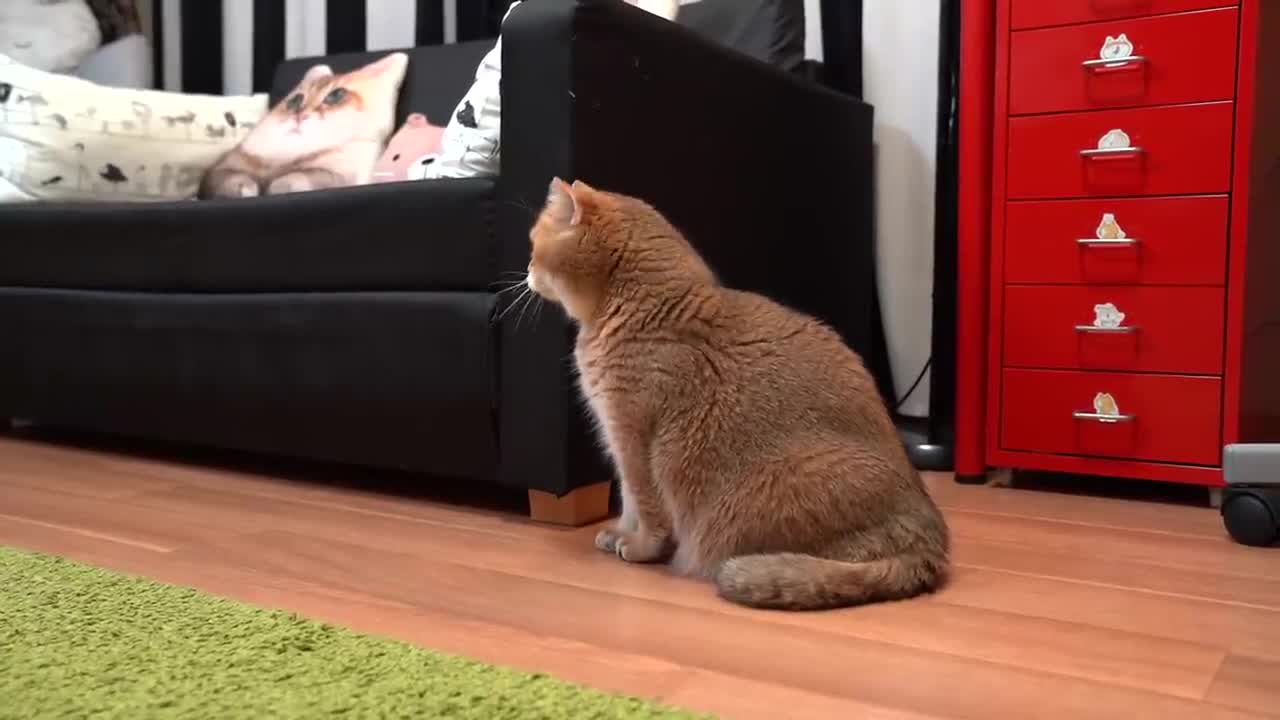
point(48, 35)
point(666, 9)
point(124, 62)
point(65, 138)
point(472, 143)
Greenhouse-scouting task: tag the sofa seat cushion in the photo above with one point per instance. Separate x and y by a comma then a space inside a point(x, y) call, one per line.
point(424, 235)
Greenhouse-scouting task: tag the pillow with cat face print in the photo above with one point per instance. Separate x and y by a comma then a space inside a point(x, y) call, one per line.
point(327, 132)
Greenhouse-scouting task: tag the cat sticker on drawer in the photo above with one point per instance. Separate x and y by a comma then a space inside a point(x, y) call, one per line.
point(1134, 328)
point(1132, 241)
point(1131, 416)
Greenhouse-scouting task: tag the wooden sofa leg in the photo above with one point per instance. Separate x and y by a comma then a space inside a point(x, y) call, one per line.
point(582, 506)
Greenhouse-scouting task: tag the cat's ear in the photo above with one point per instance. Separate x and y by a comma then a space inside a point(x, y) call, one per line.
point(1109, 40)
point(317, 72)
point(394, 63)
point(580, 186)
point(563, 203)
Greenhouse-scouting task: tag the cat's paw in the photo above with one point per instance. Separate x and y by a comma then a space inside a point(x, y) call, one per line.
point(242, 187)
point(639, 548)
point(607, 540)
point(631, 546)
point(285, 184)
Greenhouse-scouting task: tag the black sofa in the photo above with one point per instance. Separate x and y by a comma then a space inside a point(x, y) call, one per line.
point(360, 325)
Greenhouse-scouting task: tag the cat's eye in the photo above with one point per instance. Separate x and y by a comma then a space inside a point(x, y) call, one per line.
point(335, 96)
point(294, 104)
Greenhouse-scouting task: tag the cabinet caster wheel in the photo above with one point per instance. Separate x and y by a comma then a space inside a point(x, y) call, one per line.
point(1252, 515)
point(1251, 500)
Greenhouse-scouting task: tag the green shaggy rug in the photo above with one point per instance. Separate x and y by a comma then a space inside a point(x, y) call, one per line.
point(77, 641)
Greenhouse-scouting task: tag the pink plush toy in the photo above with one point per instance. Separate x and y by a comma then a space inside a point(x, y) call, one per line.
point(410, 151)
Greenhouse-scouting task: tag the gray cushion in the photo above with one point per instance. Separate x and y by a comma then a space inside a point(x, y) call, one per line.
point(768, 30)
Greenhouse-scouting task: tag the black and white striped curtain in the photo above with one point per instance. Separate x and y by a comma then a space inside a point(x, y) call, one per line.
point(232, 47)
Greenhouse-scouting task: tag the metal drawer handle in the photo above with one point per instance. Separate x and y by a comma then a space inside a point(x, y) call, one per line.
point(1101, 417)
point(1112, 152)
point(1116, 63)
point(1108, 242)
point(1116, 330)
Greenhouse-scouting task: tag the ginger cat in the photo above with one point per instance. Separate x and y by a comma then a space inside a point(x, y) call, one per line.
point(752, 445)
point(327, 132)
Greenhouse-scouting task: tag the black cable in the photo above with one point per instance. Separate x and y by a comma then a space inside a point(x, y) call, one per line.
point(902, 401)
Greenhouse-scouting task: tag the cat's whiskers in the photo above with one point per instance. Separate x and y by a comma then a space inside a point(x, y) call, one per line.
point(514, 279)
point(538, 304)
point(521, 205)
point(529, 300)
point(507, 310)
point(511, 285)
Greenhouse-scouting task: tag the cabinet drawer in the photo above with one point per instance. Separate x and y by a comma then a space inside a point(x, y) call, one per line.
point(1132, 328)
point(1160, 418)
point(1149, 241)
point(1182, 149)
point(1043, 13)
point(1190, 57)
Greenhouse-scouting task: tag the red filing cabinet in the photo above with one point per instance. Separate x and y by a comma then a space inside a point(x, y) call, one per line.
point(1132, 289)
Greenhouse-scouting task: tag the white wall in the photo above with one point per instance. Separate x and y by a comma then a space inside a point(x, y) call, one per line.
point(900, 78)
point(813, 29)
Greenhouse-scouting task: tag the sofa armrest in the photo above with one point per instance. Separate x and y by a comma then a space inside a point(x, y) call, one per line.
point(767, 174)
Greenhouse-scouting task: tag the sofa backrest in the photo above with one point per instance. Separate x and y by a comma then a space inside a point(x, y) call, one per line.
point(437, 78)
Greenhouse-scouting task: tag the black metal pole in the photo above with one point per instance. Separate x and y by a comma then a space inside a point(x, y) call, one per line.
point(936, 448)
point(842, 45)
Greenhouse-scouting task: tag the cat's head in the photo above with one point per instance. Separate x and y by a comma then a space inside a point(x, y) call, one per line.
point(587, 241)
point(325, 108)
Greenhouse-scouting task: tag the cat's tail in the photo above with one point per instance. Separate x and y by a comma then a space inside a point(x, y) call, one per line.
point(791, 581)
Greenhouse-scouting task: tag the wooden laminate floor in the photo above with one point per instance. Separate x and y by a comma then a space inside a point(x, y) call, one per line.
point(1063, 605)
